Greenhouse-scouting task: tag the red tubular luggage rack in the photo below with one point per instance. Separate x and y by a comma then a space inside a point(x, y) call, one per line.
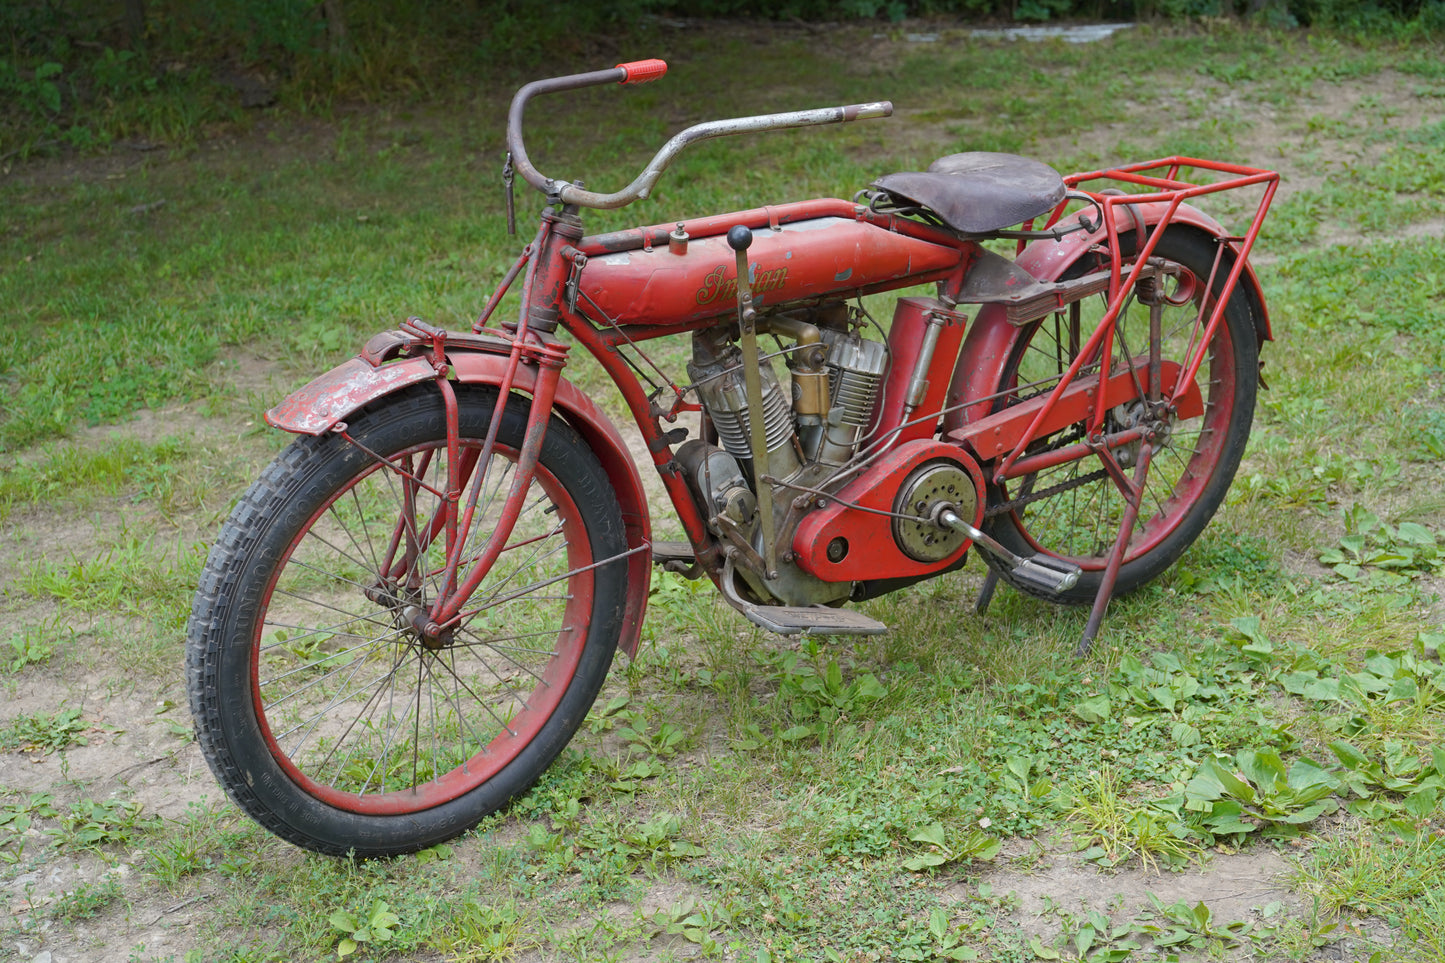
point(1171, 191)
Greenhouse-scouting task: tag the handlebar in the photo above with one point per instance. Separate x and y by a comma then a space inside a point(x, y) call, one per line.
point(644, 71)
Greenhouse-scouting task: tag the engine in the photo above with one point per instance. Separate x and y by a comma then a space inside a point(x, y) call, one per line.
point(811, 432)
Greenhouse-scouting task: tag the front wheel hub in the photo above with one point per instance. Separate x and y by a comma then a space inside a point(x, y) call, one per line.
point(432, 636)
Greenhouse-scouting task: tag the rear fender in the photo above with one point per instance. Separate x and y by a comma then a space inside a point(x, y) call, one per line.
point(986, 346)
point(331, 398)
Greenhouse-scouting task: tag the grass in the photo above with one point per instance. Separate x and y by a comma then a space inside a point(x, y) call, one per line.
point(173, 476)
point(735, 795)
point(132, 574)
point(1378, 874)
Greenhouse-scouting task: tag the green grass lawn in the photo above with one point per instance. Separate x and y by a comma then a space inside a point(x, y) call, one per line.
point(1278, 694)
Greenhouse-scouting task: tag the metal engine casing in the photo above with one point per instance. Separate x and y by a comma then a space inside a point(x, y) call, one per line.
point(923, 492)
point(839, 542)
point(722, 392)
point(856, 367)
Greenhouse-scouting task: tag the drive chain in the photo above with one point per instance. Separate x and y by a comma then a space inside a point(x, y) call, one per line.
point(1008, 506)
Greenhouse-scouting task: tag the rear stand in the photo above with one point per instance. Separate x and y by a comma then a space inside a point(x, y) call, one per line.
point(1133, 492)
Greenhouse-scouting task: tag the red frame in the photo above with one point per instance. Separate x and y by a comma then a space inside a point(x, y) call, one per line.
point(1170, 191)
point(810, 251)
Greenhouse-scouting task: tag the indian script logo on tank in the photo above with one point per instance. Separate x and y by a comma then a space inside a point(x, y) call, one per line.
point(716, 289)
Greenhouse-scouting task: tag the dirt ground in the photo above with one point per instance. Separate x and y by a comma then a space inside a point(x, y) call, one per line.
point(132, 749)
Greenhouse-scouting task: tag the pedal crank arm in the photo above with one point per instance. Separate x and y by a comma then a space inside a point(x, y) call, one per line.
point(1049, 574)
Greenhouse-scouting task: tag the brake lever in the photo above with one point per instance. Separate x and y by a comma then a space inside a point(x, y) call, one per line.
point(507, 176)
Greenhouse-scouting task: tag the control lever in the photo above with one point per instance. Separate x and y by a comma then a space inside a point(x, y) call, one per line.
point(740, 238)
point(1052, 575)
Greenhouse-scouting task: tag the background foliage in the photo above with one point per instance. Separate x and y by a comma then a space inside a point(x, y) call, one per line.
point(87, 73)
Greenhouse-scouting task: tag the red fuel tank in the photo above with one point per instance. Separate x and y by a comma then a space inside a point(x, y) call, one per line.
point(636, 279)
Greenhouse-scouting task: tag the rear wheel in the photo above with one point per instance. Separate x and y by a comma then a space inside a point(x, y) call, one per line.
point(1074, 511)
point(324, 706)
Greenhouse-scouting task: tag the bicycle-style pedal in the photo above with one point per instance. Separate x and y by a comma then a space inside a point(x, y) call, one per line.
point(1052, 575)
point(1043, 572)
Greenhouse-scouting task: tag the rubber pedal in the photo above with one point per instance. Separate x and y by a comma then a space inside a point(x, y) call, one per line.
point(1052, 575)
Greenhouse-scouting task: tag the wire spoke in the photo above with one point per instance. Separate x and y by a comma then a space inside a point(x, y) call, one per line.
point(290, 696)
point(496, 643)
point(454, 702)
point(504, 654)
point(333, 608)
point(342, 696)
point(392, 727)
point(497, 587)
point(307, 631)
point(478, 699)
point(368, 710)
point(368, 643)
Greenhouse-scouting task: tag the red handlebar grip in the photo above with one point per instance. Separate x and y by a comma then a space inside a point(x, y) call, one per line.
point(643, 71)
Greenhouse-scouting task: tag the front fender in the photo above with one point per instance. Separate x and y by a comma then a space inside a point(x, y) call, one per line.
point(986, 345)
point(317, 406)
point(331, 398)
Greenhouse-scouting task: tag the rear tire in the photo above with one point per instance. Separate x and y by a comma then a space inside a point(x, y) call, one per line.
point(322, 709)
point(1188, 476)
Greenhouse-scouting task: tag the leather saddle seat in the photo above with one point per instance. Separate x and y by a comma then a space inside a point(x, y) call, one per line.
point(979, 192)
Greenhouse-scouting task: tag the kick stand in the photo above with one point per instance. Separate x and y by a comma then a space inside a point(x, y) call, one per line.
point(985, 593)
point(1133, 493)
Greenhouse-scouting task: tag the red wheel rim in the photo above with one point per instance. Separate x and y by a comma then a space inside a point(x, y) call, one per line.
point(516, 731)
point(1160, 517)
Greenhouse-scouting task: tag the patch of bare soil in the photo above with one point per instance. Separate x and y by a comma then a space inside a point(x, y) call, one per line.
point(137, 745)
point(1234, 885)
point(129, 755)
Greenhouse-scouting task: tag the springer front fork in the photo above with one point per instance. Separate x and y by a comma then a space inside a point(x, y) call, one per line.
point(466, 564)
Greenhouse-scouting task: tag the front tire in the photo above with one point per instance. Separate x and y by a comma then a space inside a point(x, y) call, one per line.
point(322, 709)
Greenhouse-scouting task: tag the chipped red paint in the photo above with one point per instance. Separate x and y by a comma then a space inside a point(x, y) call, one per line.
point(503, 748)
point(999, 433)
point(319, 405)
point(871, 550)
point(836, 255)
point(331, 398)
point(910, 480)
point(905, 343)
point(990, 335)
point(809, 251)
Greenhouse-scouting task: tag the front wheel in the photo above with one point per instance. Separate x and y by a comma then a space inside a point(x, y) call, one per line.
point(1074, 511)
point(324, 710)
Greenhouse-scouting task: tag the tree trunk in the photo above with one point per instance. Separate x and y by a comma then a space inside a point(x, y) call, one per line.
point(338, 40)
point(135, 23)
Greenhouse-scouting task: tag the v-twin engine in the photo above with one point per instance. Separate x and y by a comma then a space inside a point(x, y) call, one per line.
point(810, 432)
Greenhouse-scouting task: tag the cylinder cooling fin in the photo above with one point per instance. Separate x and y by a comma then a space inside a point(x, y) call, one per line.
point(856, 368)
point(731, 418)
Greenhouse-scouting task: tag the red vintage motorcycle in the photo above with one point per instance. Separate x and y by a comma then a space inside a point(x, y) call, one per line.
point(409, 614)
